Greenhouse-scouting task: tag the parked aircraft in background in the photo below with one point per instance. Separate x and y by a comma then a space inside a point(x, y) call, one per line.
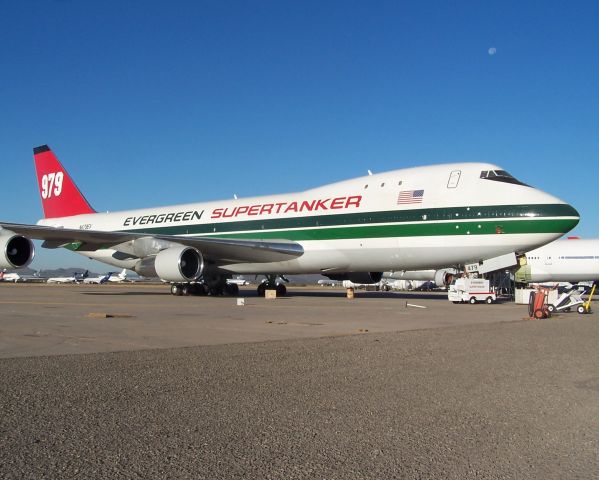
point(570, 260)
point(20, 277)
point(441, 277)
point(329, 283)
point(9, 277)
point(408, 219)
point(238, 281)
point(76, 278)
point(98, 280)
point(118, 277)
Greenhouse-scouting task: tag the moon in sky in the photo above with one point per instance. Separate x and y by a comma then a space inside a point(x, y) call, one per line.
point(492, 51)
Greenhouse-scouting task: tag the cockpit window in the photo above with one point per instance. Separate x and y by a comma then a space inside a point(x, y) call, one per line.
point(500, 176)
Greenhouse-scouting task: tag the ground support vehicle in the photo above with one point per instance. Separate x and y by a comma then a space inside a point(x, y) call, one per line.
point(471, 290)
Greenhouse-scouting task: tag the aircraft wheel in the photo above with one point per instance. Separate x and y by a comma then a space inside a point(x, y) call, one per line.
point(281, 290)
point(232, 289)
point(185, 289)
point(216, 290)
point(472, 300)
point(551, 308)
point(175, 289)
point(489, 300)
point(261, 289)
point(581, 309)
point(457, 302)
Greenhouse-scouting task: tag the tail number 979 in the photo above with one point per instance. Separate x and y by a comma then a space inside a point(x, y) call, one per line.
point(52, 184)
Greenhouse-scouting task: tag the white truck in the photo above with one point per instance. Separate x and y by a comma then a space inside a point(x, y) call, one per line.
point(470, 290)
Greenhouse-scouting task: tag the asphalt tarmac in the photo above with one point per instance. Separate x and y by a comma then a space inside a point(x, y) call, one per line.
point(309, 386)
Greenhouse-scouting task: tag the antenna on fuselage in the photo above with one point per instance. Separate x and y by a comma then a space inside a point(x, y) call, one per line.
point(369, 172)
point(235, 196)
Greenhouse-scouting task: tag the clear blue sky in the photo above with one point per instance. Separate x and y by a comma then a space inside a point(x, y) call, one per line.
point(152, 103)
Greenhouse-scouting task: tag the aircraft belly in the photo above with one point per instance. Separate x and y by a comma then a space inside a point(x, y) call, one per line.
point(382, 254)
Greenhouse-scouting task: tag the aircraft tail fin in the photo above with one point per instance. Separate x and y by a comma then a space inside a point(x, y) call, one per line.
point(59, 194)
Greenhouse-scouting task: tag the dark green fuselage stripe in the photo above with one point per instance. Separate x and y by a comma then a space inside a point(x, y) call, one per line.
point(529, 214)
point(413, 230)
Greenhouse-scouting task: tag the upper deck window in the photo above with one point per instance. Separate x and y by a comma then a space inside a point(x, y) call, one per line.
point(454, 179)
point(500, 176)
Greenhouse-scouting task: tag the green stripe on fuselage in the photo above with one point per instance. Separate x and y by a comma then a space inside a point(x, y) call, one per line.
point(412, 230)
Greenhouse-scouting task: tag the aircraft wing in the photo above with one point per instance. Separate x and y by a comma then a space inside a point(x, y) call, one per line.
point(221, 250)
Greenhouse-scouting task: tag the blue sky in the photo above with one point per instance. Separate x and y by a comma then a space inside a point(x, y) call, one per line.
point(152, 103)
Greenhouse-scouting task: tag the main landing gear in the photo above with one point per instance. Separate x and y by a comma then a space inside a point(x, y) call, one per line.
point(271, 284)
point(209, 285)
point(218, 285)
point(198, 289)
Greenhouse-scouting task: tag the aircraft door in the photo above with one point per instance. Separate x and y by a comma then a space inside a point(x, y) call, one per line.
point(454, 178)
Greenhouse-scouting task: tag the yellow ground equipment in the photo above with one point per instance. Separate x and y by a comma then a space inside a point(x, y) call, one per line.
point(586, 306)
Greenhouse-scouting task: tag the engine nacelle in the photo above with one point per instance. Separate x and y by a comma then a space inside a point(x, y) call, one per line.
point(174, 264)
point(16, 251)
point(444, 277)
point(358, 277)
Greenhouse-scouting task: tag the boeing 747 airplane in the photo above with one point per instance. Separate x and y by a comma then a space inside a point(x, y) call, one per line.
point(408, 219)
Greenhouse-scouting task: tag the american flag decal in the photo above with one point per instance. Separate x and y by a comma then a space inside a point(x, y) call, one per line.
point(410, 196)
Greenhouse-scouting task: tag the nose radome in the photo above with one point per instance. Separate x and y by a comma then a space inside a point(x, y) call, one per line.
point(566, 216)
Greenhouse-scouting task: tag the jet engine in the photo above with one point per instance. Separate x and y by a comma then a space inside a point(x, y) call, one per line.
point(444, 277)
point(174, 264)
point(358, 277)
point(16, 251)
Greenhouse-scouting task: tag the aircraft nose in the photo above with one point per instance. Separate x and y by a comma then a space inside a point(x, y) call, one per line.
point(573, 217)
point(564, 215)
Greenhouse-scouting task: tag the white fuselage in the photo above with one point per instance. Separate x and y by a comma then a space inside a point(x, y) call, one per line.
point(61, 280)
point(415, 218)
point(96, 280)
point(10, 277)
point(571, 260)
